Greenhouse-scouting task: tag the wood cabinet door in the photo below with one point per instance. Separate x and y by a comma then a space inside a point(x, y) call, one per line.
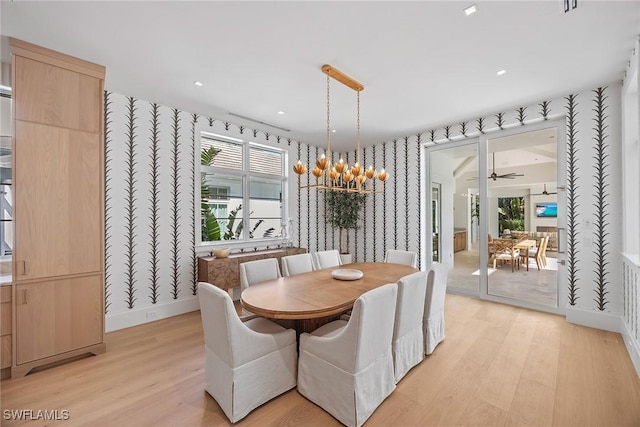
point(54, 95)
point(56, 316)
point(58, 202)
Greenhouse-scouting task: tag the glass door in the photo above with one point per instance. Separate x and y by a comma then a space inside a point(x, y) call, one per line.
point(453, 183)
point(524, 208)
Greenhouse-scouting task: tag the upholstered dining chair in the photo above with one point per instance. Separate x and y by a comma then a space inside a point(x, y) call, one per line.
point(401, 257)
point(261, 270)
point(408, 334)
point(297, 264)
point(246, 364)
point(346, 367)
point(433, 319)
point(326, 259)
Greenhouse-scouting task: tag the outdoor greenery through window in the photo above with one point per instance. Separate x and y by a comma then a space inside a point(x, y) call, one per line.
point(511, 214)
point(242, 190)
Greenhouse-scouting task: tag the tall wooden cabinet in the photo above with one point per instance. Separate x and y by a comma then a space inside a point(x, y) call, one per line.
point(58, 177)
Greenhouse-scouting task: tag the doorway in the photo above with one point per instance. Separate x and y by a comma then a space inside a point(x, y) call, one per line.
point(507, 185)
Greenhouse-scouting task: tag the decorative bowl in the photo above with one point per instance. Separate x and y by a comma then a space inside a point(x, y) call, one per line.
point(221, 253)
point(346, 274)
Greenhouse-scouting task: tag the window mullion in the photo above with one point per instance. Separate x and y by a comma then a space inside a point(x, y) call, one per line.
point(246, 221)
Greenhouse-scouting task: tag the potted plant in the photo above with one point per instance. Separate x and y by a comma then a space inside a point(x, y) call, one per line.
point(343, 209)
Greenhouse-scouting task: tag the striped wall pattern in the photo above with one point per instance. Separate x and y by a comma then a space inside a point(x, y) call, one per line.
point(385, 220)
point(572, 200)
point(153, 202)
point(107, 197)
point(175, 203)
point(150, 255)
point(601, 200)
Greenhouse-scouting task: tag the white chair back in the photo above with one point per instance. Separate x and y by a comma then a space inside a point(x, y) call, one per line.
point(347, 367)
point(261, 270)
point(408, 334)
point(246, 364)
point(402, 257)
point(297, 264)
point(326, 259)
point(433, 320)
point(219, 321)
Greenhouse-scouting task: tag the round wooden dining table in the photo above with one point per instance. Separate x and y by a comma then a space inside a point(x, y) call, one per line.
point(317, 295)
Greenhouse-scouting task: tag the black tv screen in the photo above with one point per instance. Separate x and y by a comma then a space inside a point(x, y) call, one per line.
point(547, 210)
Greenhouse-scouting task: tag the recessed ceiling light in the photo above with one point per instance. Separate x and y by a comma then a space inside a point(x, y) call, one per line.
point(501, 72)
point(197, 83)
point(471, 10)
point(281, 112)
point(334, 131)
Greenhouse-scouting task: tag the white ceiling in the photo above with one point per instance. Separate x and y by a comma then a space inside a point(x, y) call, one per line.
point(423, 64)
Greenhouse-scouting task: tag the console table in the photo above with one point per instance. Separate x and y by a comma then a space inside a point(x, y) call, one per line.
point(225, 272)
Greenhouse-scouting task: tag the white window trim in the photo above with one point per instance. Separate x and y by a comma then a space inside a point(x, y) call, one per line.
point(245, 243)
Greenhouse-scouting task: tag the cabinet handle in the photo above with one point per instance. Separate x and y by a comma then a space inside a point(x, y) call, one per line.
point(24, 267)
point(24, 296)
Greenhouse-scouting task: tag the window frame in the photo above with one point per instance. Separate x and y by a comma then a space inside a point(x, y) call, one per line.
point(245, 175)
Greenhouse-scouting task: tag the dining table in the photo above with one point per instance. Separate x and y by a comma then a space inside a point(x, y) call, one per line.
point(525, 245)
point(315, 298)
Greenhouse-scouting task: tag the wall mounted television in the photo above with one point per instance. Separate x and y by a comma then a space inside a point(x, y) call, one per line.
point(547, 210)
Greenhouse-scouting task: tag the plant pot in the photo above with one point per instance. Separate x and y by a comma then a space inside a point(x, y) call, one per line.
point(346, 258)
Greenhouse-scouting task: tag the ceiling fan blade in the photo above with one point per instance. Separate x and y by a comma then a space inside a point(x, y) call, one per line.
point(511, 175)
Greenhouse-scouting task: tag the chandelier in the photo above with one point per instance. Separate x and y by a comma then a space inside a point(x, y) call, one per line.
point(341, 177)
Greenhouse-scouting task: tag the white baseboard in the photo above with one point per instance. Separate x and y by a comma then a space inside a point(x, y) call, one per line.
point(593, 319)
point(150, 313)
point(632, 344)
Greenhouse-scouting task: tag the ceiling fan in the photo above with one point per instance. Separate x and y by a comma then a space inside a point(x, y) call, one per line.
point(494, 176)
point(544, 192)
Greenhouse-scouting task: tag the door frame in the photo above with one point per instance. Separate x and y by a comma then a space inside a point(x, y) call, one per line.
point(561, 179)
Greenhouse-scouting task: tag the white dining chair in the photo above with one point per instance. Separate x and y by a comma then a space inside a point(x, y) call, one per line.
point(408, 334)
point(401, 257)
point(246, 364)
point(261, 270)
point(346, 368)
point(327, 259)
point(297, 264)
point(433, 319)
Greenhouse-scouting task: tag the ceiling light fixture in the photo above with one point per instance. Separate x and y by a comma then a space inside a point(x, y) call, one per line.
point(501, 72)
point(281, 112)
point(340, 177)
point(471, 9)
point(198, 83)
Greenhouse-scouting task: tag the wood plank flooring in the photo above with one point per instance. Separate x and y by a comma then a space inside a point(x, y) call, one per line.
point(499, 366)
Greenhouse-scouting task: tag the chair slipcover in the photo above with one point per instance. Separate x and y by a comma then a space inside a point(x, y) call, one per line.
point(297, 264)
point(246, 364)
point(408, 334)
point(326, 259)
point(258, 271)
point(433, 321)
point(402, 257)
point(347, 367)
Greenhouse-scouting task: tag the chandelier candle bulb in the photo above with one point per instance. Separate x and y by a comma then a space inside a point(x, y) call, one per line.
point(370, 173)
point(322, 163)
point(383, 175)
point(299, 168)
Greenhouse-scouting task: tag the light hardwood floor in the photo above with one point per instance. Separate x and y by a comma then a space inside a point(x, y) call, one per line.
point(499, 366)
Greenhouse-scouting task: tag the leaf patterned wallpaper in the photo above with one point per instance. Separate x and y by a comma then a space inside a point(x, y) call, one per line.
point(149, 164)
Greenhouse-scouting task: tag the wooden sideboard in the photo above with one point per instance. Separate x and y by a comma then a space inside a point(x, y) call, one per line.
point(225, 272)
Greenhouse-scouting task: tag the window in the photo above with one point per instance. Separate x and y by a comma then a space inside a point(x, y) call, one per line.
point(242, 190)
